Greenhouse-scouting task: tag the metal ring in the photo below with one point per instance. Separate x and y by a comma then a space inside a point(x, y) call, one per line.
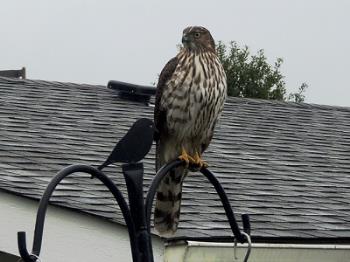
point(235, 250)
point(249, 246)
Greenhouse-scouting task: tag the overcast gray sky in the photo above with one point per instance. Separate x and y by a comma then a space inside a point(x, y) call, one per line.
point(93, 41)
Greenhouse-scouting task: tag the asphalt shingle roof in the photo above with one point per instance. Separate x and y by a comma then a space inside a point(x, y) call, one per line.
point(285, 164)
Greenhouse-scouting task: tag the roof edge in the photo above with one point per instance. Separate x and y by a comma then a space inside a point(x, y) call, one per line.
point(258, 101)
point(269, 240)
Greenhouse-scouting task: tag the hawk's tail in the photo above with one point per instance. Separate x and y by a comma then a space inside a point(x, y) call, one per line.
point(167, 210)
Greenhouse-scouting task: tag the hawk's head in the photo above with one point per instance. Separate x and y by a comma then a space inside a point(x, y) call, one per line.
point(198, 38)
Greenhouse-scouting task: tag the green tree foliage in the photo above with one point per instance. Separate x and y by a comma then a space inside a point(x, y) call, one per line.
point(252, 76)
point(299, 96)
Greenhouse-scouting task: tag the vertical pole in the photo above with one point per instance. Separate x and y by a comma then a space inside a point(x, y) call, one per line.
point(133, 174)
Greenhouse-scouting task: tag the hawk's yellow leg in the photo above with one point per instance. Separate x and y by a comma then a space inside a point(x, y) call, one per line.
point(186, 157)
point(199, 161)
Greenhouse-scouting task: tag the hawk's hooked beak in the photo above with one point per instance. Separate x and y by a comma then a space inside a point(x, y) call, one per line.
point(185, 39)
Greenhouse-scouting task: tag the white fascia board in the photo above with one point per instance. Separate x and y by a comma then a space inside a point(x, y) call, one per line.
point(194, 251)
point(268, 245)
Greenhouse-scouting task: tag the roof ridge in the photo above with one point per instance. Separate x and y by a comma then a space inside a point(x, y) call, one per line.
point(10, 80)
point(231, 98)
point(287, 103)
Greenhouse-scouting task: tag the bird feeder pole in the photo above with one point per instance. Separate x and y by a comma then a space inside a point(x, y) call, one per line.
point(136, 214)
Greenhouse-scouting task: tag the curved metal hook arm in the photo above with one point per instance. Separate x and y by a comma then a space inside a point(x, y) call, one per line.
point(219, 189)
point(249, 241)
point(40, 219)
point(228, 209)
point(22, 248)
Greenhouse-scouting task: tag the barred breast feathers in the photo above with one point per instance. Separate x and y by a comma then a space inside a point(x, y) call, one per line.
point(198, 83)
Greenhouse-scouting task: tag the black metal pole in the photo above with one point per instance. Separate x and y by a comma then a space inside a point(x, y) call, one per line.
point(133, 174)
point(40, 219)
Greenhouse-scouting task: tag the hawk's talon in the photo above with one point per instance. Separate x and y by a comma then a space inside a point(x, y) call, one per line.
point(186, 157)
point(199, 161)
point(193, 163)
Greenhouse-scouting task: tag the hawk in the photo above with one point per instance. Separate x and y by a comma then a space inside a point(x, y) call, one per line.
point(189, 99)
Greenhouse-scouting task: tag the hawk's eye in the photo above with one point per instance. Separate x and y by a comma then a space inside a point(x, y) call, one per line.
point(197, 34)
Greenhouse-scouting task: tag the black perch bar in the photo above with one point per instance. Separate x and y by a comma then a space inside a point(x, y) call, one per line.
point(132, 148)
point(213, 180)
point(131, 91)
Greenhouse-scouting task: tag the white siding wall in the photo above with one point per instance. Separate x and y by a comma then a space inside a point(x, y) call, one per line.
point(68, 236)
